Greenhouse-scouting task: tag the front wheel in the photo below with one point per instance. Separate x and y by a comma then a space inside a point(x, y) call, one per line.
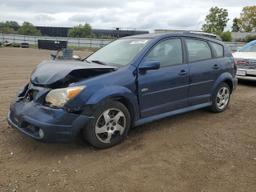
point(221, 98)
point(110, 125)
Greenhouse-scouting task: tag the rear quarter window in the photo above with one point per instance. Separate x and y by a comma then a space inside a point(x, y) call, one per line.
point(217, 49)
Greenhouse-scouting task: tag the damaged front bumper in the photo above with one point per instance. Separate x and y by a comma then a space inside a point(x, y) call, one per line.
point(45, 123)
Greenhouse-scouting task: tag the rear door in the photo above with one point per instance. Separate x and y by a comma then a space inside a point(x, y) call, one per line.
point(204, 69)
point(164, 89)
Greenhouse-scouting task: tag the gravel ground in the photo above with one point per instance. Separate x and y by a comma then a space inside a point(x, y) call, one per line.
point(194, 152)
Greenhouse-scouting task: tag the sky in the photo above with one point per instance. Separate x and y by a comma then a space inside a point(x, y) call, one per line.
point(132, 14)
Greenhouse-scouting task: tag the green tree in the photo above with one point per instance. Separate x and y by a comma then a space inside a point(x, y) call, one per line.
point(216, 20)
point(7, 30)
point(81, 31)
point(12, 24)
point(247, 21)
point(235, 26)
point(28, 29)
point(9, 27)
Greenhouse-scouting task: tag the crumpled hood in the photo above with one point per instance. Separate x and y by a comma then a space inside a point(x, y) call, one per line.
point(50, 73)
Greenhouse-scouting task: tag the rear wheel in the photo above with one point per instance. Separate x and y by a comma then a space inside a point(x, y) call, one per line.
point(110, 126)
point(221, 98)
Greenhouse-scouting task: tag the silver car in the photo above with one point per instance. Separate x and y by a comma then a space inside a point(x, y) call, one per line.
point(246, 61)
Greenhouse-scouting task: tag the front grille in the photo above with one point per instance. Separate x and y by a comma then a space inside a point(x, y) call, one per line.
point(253, 62)
point(250, 64)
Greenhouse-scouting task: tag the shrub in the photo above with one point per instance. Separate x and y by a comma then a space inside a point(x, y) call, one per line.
point(28, 29)
point(226, 36)
point(81, 31)
point(249, 38)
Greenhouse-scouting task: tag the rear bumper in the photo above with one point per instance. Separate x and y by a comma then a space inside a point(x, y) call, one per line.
point(57, 125)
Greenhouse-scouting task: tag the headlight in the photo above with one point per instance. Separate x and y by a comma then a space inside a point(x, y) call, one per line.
point(59, 97)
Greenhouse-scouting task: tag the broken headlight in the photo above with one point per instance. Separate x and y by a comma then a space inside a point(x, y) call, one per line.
point(59, 97)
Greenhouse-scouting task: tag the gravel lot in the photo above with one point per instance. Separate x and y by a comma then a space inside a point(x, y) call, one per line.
point(194, 152)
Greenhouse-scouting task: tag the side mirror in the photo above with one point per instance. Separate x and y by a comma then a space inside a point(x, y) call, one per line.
point(76, 57)
point(149, 65)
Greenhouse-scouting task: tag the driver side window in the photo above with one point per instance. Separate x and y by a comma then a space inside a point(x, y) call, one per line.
point(168, 52)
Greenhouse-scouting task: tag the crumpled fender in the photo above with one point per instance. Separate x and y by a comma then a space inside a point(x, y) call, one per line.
point(116, 91)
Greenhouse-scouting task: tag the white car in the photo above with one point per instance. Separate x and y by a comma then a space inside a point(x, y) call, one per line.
point(245, 59)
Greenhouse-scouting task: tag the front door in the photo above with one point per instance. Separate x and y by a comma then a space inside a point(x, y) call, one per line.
point(164, 89)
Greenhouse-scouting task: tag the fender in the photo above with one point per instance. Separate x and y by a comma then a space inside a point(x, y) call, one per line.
point(116, 91)
point(223, 77)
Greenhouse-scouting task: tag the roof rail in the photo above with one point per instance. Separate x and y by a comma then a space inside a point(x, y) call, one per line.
point(210, 35)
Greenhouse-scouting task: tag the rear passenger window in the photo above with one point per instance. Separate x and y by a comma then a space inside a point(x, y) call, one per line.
point(218, 49)
point(168, 52)
point(198, 50)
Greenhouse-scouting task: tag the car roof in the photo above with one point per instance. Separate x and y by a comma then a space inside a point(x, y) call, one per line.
point(201, 35)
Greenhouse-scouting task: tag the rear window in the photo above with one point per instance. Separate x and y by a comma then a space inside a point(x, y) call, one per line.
point(198, 50)
point(218, 49)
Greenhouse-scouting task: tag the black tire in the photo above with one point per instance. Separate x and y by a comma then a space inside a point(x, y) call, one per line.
point(97, 140)
point(215, 107)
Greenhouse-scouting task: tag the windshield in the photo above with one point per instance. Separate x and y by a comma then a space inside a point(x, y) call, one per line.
point(120, 52)
point(250, 47)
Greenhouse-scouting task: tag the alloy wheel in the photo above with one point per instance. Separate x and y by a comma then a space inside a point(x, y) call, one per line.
point(110, 124)
point(222, 98)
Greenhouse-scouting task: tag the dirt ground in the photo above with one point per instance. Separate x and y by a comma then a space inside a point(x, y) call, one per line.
point(193, 152)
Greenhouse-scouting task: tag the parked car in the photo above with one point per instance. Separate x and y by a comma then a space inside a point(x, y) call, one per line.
point(245, 59)
point(24, 45)
point(132, 81)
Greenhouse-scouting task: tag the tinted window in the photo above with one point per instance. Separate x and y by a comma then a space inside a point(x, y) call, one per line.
point(198, 50)
point(218, 49)
point(168, 52)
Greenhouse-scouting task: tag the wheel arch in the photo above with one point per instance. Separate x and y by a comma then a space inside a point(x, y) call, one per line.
point(229, 83)
point(117, 93)
point(224, 78)
point(126, 102)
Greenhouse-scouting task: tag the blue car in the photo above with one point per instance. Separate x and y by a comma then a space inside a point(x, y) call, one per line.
point(130, 82)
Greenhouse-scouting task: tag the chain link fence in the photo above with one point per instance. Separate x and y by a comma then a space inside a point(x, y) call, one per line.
point(75, 42)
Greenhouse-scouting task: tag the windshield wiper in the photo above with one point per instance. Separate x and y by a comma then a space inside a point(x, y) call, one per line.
point(98, 62)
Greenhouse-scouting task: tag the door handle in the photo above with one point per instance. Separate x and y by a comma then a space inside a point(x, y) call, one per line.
point(182, 72)
point(215, 66)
